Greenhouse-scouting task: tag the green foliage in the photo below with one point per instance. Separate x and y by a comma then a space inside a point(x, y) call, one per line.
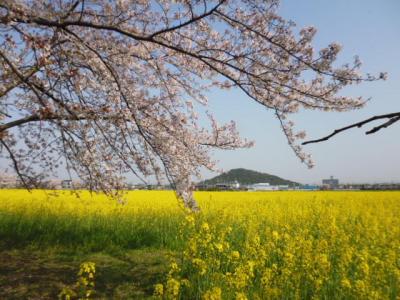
point(91, 233)
point(42, 274)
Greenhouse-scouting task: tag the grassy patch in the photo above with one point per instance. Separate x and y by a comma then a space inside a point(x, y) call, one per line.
point(41, 274)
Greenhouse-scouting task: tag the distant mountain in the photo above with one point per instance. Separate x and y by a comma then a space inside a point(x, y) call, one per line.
point(245, 177)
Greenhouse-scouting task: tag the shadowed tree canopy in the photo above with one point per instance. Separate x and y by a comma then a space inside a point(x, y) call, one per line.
point(106, 88)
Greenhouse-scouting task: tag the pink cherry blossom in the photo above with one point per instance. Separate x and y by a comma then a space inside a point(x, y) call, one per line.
point(106, 88)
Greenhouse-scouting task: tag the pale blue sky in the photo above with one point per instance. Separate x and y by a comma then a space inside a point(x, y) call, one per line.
point(368, 28)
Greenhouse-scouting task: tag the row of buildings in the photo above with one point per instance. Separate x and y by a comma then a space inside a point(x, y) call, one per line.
point(327, 184)
point(9, 181)
point(331, 183)
point(236, 186)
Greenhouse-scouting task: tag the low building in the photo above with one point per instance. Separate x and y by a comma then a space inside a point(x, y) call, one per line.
point(309, 187)
point(221, 186)
point(283, 187)
point(66, 184)
point(330, 183)
point(262, 186)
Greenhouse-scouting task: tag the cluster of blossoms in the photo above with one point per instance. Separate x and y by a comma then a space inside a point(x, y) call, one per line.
point(107, 88)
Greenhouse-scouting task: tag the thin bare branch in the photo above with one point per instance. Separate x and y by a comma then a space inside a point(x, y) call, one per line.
point(394, 117)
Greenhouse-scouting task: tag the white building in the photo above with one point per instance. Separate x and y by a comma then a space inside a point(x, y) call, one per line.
point(236, 185)
point(263, 186)
point(66, 184)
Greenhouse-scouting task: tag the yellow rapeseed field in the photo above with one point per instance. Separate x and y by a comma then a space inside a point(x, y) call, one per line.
point(243, 245)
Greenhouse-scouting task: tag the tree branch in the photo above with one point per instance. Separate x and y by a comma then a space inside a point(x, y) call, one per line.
point(19, 122)
point(393, 118)
point(192, 20)
point(15, 164)
point(152, 38)
point(50, 117)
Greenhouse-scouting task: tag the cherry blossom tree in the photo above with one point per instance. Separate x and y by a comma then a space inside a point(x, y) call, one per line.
point(107, 88)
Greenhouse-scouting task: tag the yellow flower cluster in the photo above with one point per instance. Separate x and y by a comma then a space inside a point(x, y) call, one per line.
point(254, 245)
point(84, 287)
point(213, 294)
point(317, 245)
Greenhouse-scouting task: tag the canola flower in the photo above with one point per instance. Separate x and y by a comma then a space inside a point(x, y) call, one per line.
point(293, 246)
point(243, 245)
point(83, 289)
